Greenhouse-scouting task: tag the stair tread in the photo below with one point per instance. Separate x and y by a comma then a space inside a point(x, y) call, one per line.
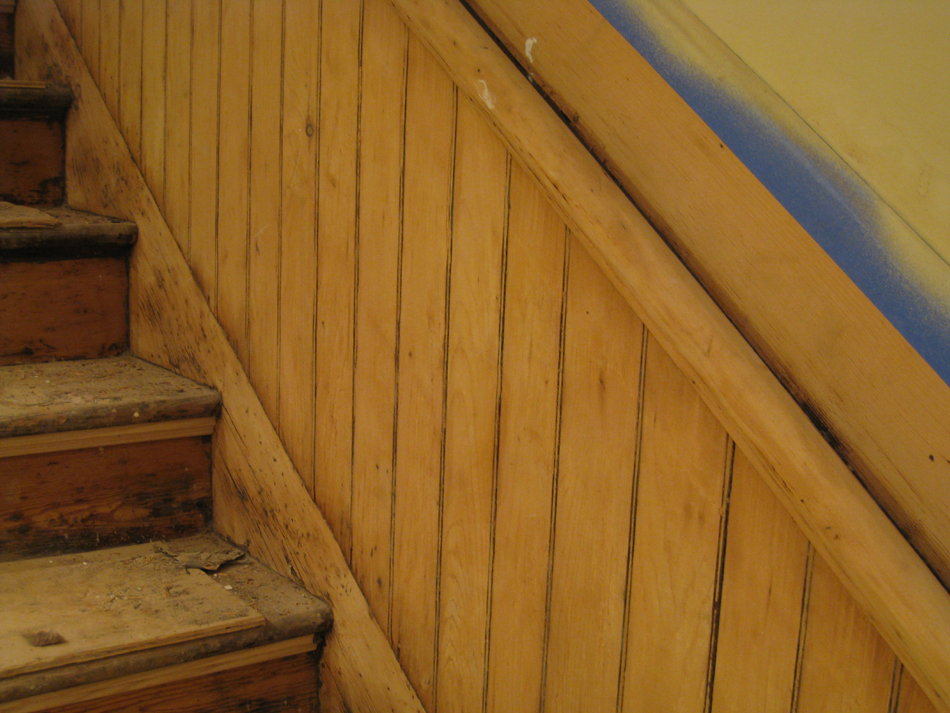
point(30, 99)
point(74, 608)
point(78, 233)
point(259, 606)
point(54, 397)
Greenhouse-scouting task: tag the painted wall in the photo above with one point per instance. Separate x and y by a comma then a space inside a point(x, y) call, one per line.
point(840, 109)
point(542, 513)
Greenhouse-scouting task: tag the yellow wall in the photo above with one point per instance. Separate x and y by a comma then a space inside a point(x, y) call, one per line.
point(540, 510)
point(870, 77)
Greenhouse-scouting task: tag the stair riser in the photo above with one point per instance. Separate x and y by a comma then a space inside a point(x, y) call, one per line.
point(31, 163)
point(6, 44)
point(103, 497)
point(66, 309)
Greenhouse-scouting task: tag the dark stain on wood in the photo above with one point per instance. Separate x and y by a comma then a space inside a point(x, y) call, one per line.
point(104, 497)
point(32, 164)
point(279, 686)
point(66, 309)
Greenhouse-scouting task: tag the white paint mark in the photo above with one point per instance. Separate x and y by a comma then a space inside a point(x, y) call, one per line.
point(529, 48)
point(486, 95)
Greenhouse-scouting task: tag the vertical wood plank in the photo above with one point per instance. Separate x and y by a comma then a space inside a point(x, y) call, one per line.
point(233, 162)
point(336, 265)
point(264, 275)
point(527, 460)
point(684, 464)
point(380, 196)
point(478, 232)
point(429, 153)
point(203, 186)
point(763, 579)
point(90, 36)
point(177, 126)
point(603, 345)
point(298, 240)
point(846, 666)
point(152, 160)
point(109, 39)
point(130, 75)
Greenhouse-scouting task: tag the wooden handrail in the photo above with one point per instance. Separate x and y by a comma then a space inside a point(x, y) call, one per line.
point(880, 569)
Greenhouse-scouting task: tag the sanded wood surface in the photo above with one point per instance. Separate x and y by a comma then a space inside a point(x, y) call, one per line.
point(75, 234)
point(66, 309)
point(62, 396)
point(882, 571)
point(99, 604)
point(520, 651)
point(31, 167)
point(886, 407)
point(283, 685)
point(103, 497)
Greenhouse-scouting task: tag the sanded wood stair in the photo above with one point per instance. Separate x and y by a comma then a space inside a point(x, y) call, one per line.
point(114, 592)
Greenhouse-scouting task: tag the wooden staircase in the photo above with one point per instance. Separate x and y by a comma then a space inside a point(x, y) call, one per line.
point(99, 449)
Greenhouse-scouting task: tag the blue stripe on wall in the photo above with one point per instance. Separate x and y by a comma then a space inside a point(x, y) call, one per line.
point(835, 209)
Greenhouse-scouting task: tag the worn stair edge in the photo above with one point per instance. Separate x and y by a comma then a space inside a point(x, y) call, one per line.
point(25, 99)
point(79, 234)
point(96, 393)
point(289, 611)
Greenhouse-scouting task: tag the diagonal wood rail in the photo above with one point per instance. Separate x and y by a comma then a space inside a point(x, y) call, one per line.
point(880, 569)
point(259, 497)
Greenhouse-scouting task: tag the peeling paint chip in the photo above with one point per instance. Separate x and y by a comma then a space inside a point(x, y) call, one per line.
point(486, 95)
point(529, 48)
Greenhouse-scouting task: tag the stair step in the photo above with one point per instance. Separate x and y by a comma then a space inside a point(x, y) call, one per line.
point(32, 133)
point(146, 617)
point(101, 453)
point(96, 393)
point(64, 288)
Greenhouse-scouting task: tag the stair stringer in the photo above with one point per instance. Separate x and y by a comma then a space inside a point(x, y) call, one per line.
point(888, 579)
point(260, 500)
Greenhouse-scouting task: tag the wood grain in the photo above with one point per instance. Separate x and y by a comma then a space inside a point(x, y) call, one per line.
point(883, 572)
point(176, 175)
point(476, 314)
point(379, 247)
point(297, 269)
point(237, 665)
point(264, 197)
point(338, 168)
point(106, 496)
point(417, 478)
point(31, 169)
point(152, 157)
point(173, 324)
point(233, 166)
point(107, 603)
point(130, 73)
point(283, 685)
point(204, 109)
point(595, 491)
point(888, 410)
point(527, 447)
point(684, 474)
point(66, 309)
point(761, 614)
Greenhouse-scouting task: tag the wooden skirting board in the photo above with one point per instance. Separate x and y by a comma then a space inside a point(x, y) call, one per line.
point(259, 497)
point(871, 557)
